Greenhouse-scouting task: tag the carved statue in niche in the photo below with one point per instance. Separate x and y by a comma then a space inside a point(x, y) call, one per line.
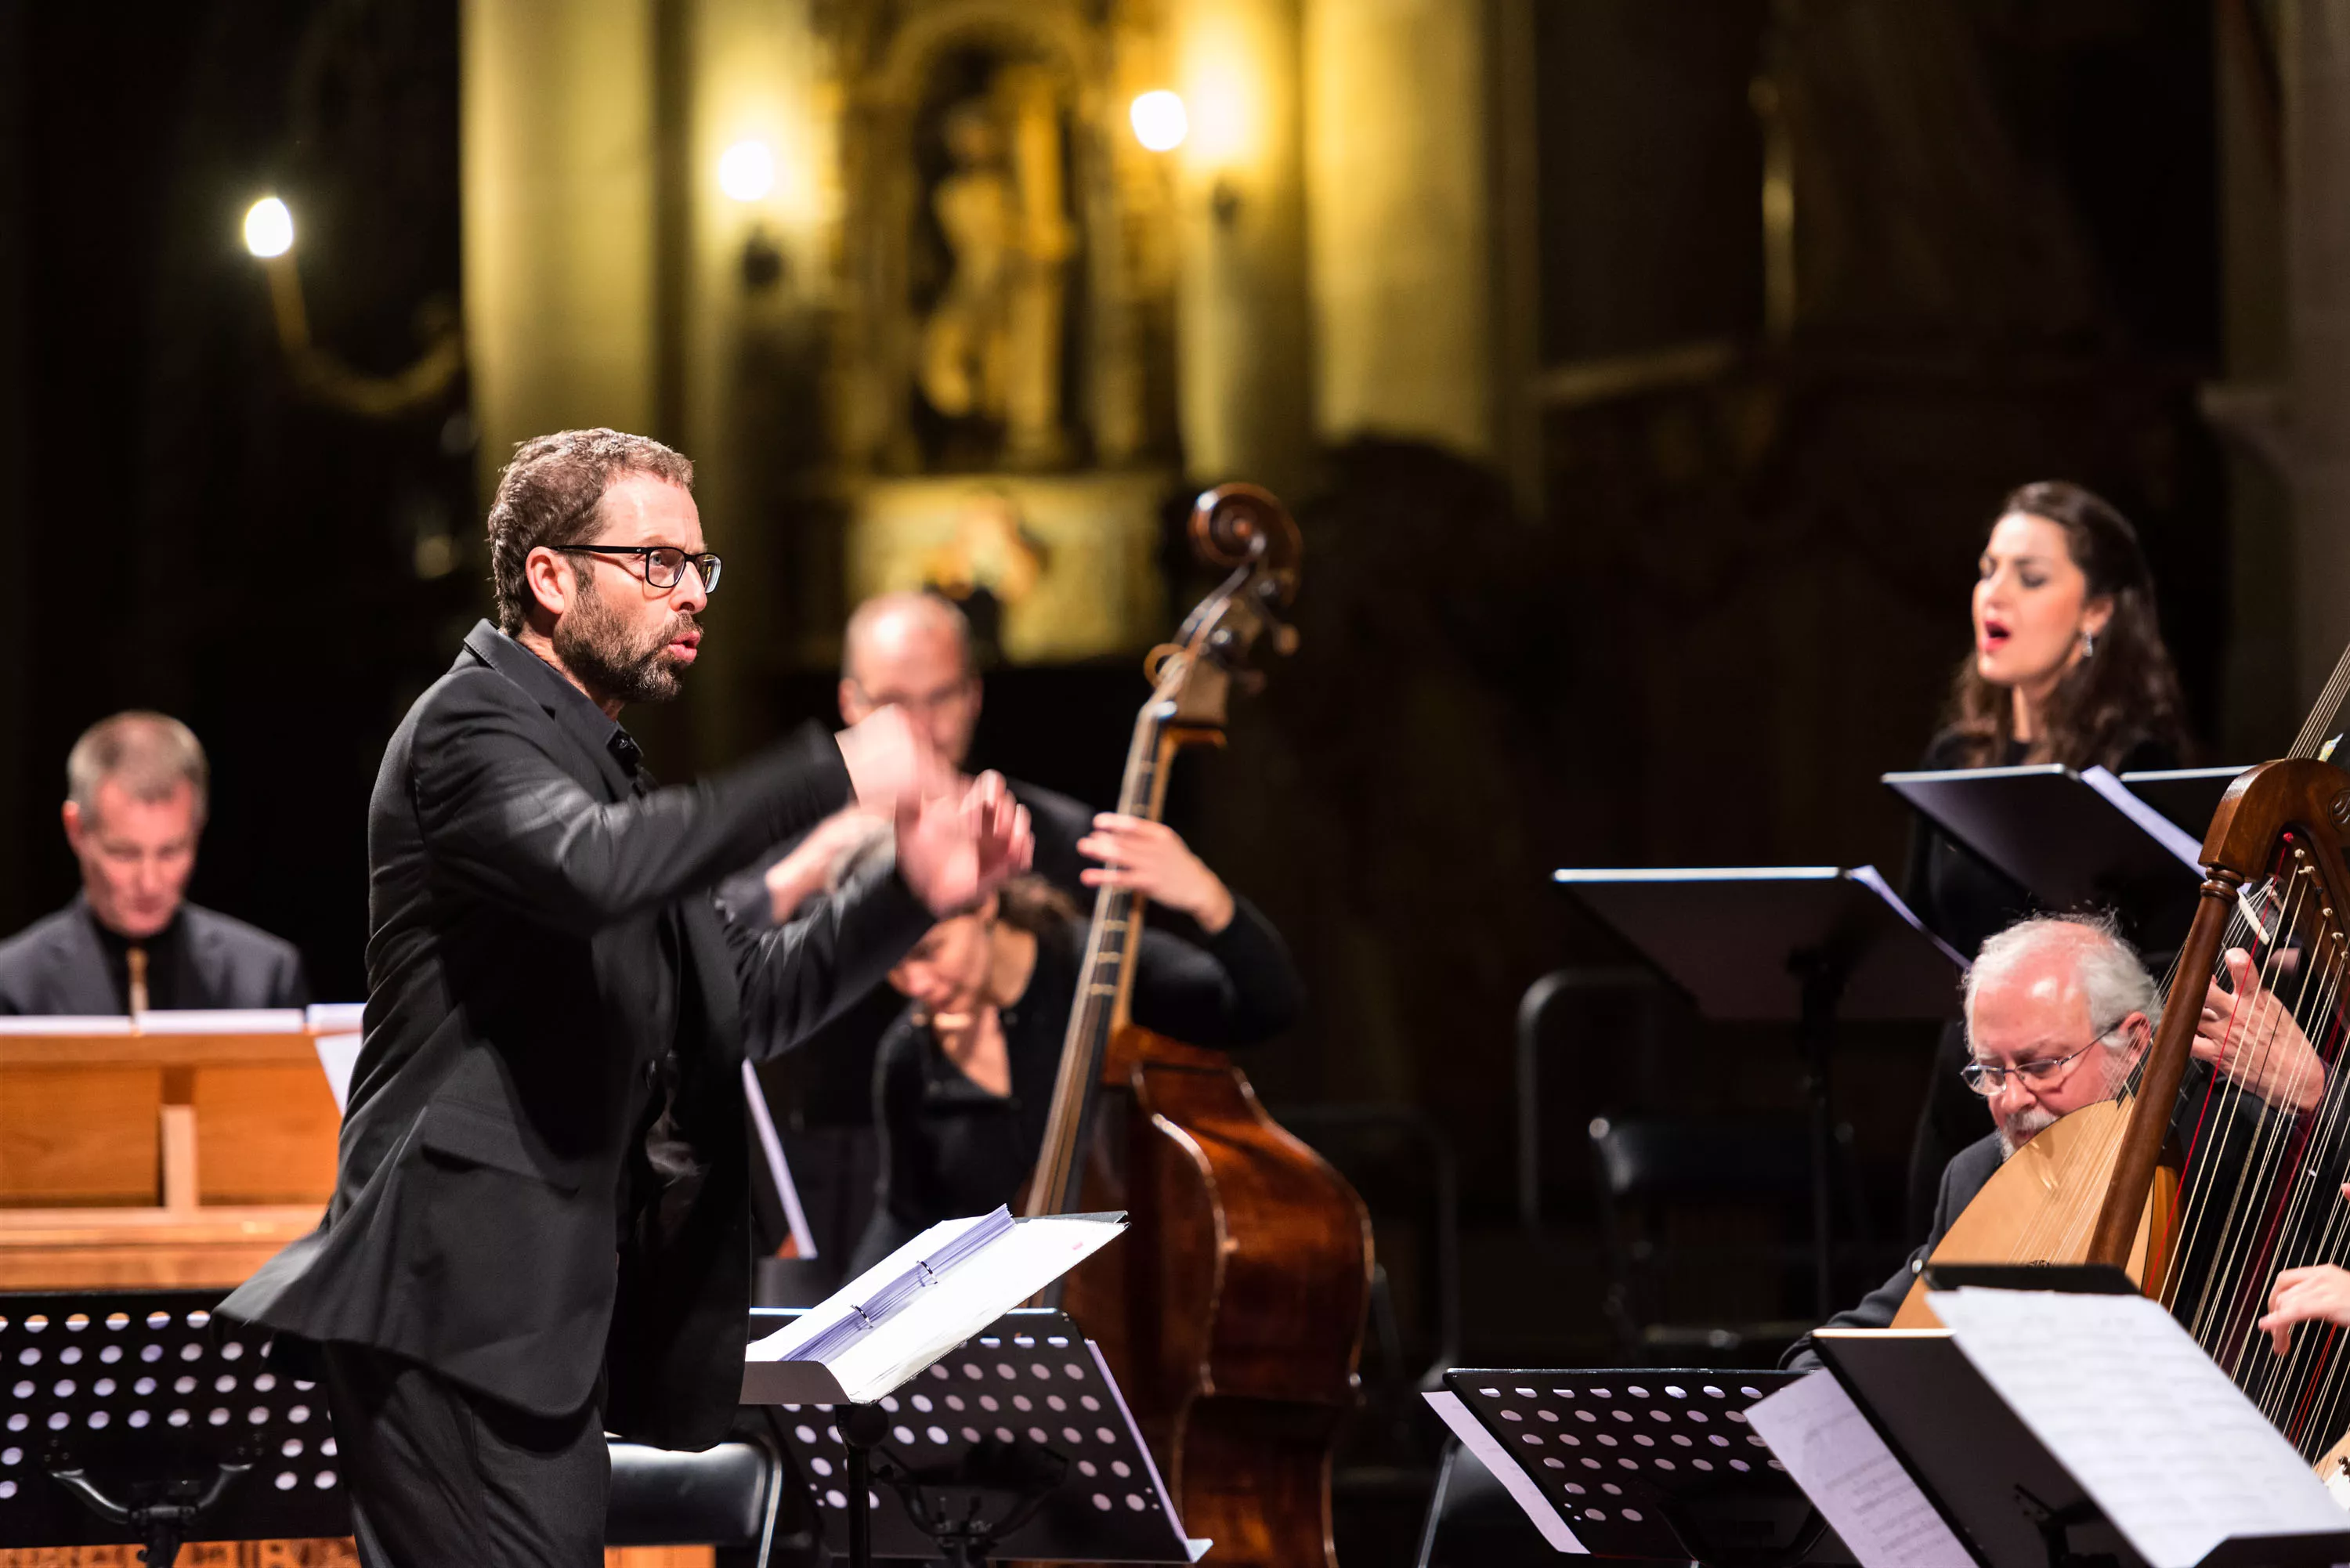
point(993, 349)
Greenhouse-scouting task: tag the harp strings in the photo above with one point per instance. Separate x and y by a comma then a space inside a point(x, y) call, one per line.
point(2256, 1197)
point(2329, 702)
point(2223, 1214)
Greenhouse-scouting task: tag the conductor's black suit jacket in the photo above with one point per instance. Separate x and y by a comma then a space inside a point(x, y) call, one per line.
point(541, 1172)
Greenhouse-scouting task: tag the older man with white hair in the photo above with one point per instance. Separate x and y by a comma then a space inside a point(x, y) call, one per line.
point(2058, 1012)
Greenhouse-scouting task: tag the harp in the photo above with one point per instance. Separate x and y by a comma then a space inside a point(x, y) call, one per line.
point(2203, 1184)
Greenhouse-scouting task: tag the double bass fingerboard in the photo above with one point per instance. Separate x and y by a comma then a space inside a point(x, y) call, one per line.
point(1105, 976)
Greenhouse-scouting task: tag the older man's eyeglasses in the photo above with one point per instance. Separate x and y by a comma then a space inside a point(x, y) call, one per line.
point(662, 566)
point(1986, 1078)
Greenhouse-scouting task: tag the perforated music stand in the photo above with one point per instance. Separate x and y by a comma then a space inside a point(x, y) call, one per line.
point(2187, 796)
point(1803, 944)
point(1654, 1465)
point(1016, 1443)
point(133, 1417)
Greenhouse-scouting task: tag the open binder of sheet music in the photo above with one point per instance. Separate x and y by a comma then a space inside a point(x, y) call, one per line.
point(2120, 1405)
point(892, 1320)
point(2152, 1428)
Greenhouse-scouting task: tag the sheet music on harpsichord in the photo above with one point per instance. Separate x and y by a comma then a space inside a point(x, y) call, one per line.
point(2125, 1400)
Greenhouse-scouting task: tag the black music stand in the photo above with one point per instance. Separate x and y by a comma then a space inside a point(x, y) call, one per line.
point(133, 1417)
point(1015, 1442)
point(2187, 796)
point(1804, 944)
point(2070, 839)
point(2002, 1493)
point(1655, 1465)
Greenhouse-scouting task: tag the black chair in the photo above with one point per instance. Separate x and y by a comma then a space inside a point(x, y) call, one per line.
point(1705, 1224)
point(729, 1496)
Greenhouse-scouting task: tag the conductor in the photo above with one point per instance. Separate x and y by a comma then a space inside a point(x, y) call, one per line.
point(539, 1231)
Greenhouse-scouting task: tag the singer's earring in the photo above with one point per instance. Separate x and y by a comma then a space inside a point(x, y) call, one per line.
point(2088, 644)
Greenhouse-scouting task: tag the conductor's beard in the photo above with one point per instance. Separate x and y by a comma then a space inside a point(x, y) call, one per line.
point(597, 645)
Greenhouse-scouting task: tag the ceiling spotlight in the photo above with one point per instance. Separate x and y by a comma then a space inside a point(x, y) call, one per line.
point(268, 228)
point(1159, 122)
point(746, 170)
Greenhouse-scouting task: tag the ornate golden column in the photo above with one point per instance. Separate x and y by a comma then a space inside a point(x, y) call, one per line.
point(557, 168)
point(1398, 193)
point(1242, 336)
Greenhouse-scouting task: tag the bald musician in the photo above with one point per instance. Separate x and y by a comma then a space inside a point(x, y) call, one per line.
point(912, 652)
point(136, 792)
point(2058, 1010)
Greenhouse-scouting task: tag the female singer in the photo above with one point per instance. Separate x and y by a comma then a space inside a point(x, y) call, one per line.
point(2068, 666)
point(962, 1081)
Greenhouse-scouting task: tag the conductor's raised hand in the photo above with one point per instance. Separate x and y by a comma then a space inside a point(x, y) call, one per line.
point(955, 850)
point(1152, 859)
point(2251, 1037)
point(890, 763)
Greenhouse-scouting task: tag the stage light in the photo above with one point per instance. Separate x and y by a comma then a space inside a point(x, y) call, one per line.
point(746, 170)
point(268, 228)
point(1159, 122)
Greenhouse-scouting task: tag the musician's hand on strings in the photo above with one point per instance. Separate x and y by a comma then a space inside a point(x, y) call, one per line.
point(954, 850)
point(2251, 1036)
point(1152, 859)
point(2317, 1294)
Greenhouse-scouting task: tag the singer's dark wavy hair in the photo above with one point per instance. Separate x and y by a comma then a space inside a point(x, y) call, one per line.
point(2124, 694)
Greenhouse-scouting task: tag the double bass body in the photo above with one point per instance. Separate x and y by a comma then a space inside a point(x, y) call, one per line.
point(1234, 1316)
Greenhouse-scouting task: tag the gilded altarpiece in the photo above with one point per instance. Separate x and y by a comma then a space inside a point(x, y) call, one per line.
point(1004, 373)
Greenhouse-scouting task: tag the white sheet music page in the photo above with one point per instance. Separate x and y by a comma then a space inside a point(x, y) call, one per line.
point(1497, 1461)
point(2172, 1451)
point(969, 1296)
point(1843, 1466)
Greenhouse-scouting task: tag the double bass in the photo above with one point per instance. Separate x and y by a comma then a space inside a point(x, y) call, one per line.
point(1232, 1310)
point(2202, 1197)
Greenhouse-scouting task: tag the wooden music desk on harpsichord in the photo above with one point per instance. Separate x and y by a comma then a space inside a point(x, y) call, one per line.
point(181, 1149)
point(175, 1149)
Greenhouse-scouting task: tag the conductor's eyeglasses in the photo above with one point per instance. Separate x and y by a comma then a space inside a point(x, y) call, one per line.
point(663, 565)
point(1986, 1078)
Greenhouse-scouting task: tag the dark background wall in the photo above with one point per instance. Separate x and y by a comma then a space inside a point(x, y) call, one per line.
point(1738, 601)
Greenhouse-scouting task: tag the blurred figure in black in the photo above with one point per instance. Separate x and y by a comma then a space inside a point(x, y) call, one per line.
point(911, 652)
point(2068, 666)
point(962, 1081)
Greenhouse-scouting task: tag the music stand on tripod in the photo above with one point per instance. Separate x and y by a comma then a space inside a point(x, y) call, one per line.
point(133, 1418)
point(1809, 945)
point(1016, 1443)
point(1640, 1463)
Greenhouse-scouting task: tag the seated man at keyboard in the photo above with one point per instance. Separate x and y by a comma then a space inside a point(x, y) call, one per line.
point(135, 800)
